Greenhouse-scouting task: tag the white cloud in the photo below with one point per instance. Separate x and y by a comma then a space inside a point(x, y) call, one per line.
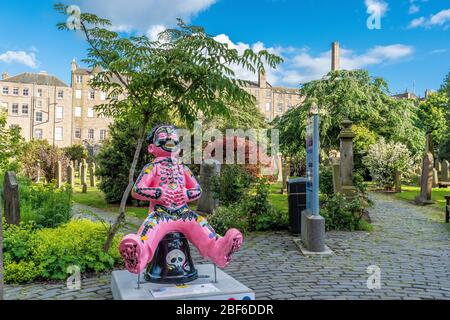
point(142, 15)
point(300, 65)
point(442, 19)
point(154, 31)
point(21, 57)
point(376, 7)
point(413, 9)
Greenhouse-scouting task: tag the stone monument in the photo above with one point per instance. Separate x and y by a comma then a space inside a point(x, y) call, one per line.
point(209, 170)
point(426, 179)
point(11, 198)
point(346, 160)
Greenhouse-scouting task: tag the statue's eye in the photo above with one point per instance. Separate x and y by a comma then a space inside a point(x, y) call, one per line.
point(180, 259)
point(173, 260)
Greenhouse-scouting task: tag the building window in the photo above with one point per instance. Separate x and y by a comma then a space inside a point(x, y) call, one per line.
point(26, 92)
point(90, 112)
point(91, 95)
point(58, 133)
point(79, 79)
point(39, 93)
point(59, 112)
point(267, 106)
point(91, 134)
point(15, 108)
point(280, 107)
point(78, 112)
point(102, 134)
point(39, 103)
point(103, 96)
point(38, 134)
point(78, 133)
point(25, 108)
point(38, 116)
point(5, 90)
point(15, 91)
point(268, 94)
point(60, 94)
point(78, 94)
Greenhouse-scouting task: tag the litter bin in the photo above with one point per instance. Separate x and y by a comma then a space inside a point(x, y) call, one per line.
point(296, 203)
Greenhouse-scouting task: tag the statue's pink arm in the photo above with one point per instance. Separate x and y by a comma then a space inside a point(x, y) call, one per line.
point(142, 190)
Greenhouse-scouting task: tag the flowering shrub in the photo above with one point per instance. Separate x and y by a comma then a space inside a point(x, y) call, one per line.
point(384, 159)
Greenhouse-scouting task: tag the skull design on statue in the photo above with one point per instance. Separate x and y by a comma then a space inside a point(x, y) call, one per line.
point(175, 258)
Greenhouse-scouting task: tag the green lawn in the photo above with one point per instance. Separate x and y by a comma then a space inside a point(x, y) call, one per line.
point(410, 192)
point(95, 198)
point(278, 200)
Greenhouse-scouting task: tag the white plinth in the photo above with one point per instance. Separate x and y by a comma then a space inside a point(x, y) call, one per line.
point(124, 286)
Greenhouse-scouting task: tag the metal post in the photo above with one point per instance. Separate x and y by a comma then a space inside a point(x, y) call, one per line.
point(315, 173)
point(215, 273)
point(139, 281)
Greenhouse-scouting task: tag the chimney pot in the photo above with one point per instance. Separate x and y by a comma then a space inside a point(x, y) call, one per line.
point(5, 75)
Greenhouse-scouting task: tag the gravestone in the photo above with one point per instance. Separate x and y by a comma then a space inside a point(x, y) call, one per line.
point(38, 172)
point(83, 174)
point(209, 170)
point(79, 168)
point(11, 198)
point(437, 165)
point(398, 181)
point(336, 167)
point(58, 174)
point(92, 174)
point(346, 160)
point(444, 172)
point(280, 168)
point(435, 178)
point(71, 175)
point(426, 180)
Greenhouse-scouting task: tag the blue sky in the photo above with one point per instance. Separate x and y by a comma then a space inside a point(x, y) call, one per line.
point(411, 50)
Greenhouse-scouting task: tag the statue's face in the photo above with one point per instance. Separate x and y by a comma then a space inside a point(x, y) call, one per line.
point(165, 142)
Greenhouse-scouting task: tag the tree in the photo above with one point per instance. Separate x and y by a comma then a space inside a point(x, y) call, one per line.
point(350, 95)
point(445, 87)
point(185, 73)
point(10, 145)
point(76, 152)
point(432, 115)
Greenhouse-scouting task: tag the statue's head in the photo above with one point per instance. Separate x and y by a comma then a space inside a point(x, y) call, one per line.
point(163, 141)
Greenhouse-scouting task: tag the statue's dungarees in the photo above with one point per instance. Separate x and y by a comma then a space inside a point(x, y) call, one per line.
point(169, 186)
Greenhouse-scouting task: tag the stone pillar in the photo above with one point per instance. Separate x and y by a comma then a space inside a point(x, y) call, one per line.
point(335, 59)
point(285, 165)
point(426, 180)
point(83, 173)
point(280, 167)
point(58, 174)
point(11, 202)
point(209, 170)
point(346, 159)
point(444, 171)
point(71, 175)
point(435, 178)
point(92, 174)
point(38, 172)
point(336, 169)
point(398, 181)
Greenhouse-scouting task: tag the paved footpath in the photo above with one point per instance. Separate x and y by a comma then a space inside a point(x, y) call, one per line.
point(411, 251)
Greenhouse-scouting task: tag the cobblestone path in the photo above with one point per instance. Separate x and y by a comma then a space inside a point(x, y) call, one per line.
point(411, 251)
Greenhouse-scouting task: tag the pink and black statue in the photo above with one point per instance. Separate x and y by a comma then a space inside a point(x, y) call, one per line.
point(169, 185)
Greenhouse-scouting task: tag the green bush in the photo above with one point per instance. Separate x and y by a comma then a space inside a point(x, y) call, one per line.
point(326, 180)
point(232, 185)
point(45, 205)
point(253, 212)
point(115, 157)
point(340, 214)
point(76, 152)
point(32, 253)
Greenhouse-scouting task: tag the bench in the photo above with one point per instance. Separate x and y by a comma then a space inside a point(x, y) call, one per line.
point(447, 209)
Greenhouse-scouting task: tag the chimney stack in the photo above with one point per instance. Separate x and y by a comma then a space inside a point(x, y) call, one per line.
point(262, 82)
point(5, 75)
point(335, 56)
point(73, 65)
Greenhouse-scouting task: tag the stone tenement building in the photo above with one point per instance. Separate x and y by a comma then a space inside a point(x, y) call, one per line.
point(40, 104)
point(46, 108)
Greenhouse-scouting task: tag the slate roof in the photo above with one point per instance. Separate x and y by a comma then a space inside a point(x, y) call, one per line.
point(36, 78)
